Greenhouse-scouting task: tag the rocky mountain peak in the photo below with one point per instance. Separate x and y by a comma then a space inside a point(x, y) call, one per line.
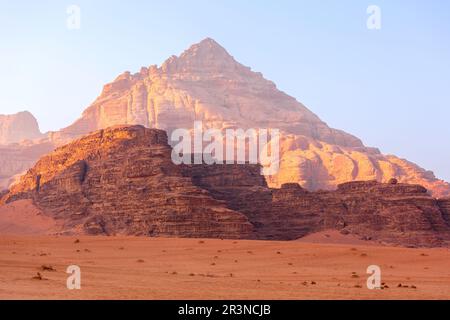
point(206, 56)
point(207, 48)
point(206, 83)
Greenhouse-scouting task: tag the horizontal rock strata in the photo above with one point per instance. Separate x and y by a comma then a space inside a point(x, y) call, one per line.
point(122, 180)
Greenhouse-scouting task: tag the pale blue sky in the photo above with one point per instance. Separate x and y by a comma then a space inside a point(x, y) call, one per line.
point(388, 87)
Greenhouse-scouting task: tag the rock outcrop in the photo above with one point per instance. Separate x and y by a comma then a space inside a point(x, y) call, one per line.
point(18, 127)
point(393, 213)
point(122, 180)
point(206, 83)
point(16, 159)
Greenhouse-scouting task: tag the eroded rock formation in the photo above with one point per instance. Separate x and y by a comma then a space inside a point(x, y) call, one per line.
point(21, 145)
point(444, 205)
point(393, 213)
point(206, 83)
point(16, 159)
point(122, 180)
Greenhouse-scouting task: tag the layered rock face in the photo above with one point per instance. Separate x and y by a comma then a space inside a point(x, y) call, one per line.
point(18, 127)
point(444, 204)
point(392, 213)
point(318, 165)
point(20, 145)
point(16, 159)
point(122, 181)
point(206, 83)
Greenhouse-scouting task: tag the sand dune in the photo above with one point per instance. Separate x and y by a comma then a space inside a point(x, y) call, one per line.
point(158, 268)
point(23, 218)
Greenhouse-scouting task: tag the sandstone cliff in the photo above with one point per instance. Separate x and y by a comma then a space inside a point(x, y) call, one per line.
point(16, 159)
point(18, 127)
point(444, 205)
point(20, 145)
point(121, 180)
point(391, 213)
point(206, 83)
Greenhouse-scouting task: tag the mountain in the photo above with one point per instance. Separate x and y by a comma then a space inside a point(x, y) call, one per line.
point(18, 127)
point(206, 83)
point(122, 181)
point(16, 159)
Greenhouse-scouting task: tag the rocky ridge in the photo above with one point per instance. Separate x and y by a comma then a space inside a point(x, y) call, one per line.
point(121, 180)
point(18, 127)
point(206, 83)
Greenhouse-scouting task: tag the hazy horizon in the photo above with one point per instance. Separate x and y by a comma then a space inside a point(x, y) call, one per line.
point(388, 87)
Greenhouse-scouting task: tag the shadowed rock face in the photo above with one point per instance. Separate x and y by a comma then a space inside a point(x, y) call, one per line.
point(122, 181)
point(204, 83)
point(15, 159)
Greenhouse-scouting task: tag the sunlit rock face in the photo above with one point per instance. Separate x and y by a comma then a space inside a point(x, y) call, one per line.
point(207, 84)
point(122, 181)
point(319, 165)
